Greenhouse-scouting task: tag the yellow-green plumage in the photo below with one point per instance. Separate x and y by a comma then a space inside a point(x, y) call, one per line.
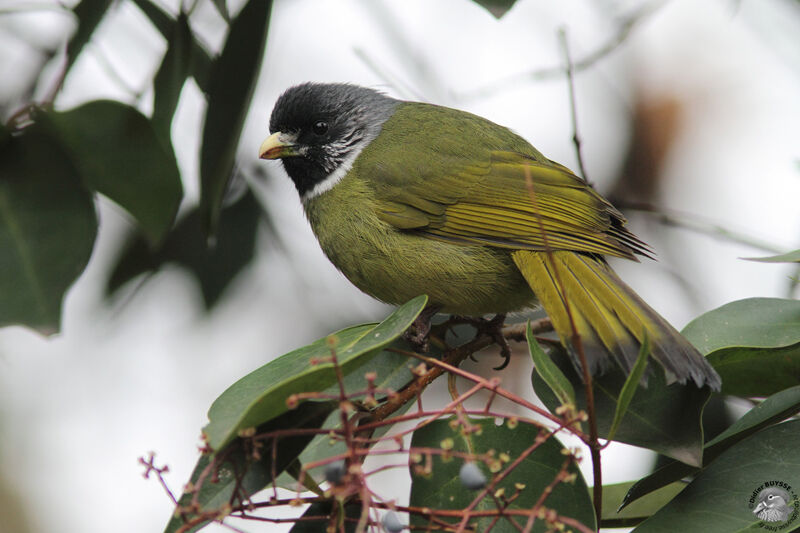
point(449, 204)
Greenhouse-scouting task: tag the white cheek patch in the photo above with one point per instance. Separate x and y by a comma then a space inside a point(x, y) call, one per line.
point(335, 177)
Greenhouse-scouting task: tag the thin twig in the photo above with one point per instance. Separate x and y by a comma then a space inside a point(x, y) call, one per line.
point(576, 140)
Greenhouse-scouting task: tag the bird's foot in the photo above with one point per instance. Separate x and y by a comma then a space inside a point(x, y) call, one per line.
point(417, 335)
point(493, 328)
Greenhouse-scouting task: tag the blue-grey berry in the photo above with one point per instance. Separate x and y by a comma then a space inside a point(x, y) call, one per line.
point(334, 472)
point(471, 476)
point(391, 523)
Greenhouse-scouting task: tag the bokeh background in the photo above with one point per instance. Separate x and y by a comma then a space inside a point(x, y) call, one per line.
point(691, 109)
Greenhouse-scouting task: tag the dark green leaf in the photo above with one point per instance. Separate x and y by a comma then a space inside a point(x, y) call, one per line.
point(441, 489)
point(638, 511)
point(117, 153)
point(660, 417)
point(89, 14)
point(262, 394)
point(722, 497)
point(757, 372)
point(230, 89)
point(222, 8)
point(629, 387)
point(774, 409)
point(318, 516)
point(750, 323)
point(256, 472)
point(498, 8)
point(47, 229)
point(790, 257)
point(213, 266)
point(549, 372)
point(171, 75)
point(165, 24)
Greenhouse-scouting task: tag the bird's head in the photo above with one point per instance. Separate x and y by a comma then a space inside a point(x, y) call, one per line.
point(319, 129)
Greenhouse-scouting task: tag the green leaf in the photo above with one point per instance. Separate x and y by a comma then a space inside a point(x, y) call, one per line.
point(256, 472)
point(230, 89)
point(171, 75)
point(774, 409)
point(392, 372)
point(789, 257)
point(262, 394)
point(214, 267)
point(318, 516)
point(165, 24)
point(721, 498)
point(118, 154)
point(47, 229)
point(661, 417)
point(635, 513)
point(89, 14)
point(497, 8)
point(754, 344)
point(222, 9)
point(442, 489)
point(548, 371)
point(629, 388)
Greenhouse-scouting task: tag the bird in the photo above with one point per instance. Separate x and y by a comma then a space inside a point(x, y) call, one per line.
point(409, 198)
point(772, 505)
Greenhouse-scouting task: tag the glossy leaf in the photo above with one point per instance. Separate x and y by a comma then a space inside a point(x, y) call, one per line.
point(262, 394)
point(441, 489)
point(629, 387)
point(662, 418)
point(774, 409)
point(548, 371)
point(790, 257)
point(721, 498)
point(257, 471)
point(497, 8)
point(230, 90)
point(757, 372)
point(117, 153)
point(214, 267)
point(171, 75)
point(635, 513)
point(47, 229)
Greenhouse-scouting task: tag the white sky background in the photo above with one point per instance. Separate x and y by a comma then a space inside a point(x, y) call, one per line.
point(76, 411)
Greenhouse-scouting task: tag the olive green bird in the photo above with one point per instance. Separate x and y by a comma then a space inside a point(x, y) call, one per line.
point(408, 198)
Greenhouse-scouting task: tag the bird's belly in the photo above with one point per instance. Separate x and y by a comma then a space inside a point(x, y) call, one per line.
point(394, 265)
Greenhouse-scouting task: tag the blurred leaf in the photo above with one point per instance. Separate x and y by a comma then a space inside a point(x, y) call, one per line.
point(171, 76)
point(322, 511)
point(629, 387)
point(442, 489)
point(719, 498)
point(497, 8)
point(117, 153)
point(165, 24)
point(230, 89)
point(256, 473)
point(89, 14)
point(790, 257)
point(753, 344)
point(222, 9)
point(392, 371)
point(213, 266)
point(47, 229)
point(549, 372)
point(635, 512)
point(262, 394)
point(774, 409)
point(660, 417)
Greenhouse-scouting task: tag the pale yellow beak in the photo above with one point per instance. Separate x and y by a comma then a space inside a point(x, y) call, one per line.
point(278, 145)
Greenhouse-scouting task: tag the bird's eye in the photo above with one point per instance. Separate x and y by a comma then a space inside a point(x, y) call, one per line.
point(320, 127)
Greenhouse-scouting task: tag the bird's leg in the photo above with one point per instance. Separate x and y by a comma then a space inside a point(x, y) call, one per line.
point(493, 328)
point(418, 333)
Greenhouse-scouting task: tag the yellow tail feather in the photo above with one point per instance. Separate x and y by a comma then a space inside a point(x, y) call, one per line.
point(610, 318)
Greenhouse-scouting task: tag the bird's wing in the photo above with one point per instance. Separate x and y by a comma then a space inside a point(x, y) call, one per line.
point(504, 199)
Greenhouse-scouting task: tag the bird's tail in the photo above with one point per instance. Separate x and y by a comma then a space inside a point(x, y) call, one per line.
point(610, 318)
